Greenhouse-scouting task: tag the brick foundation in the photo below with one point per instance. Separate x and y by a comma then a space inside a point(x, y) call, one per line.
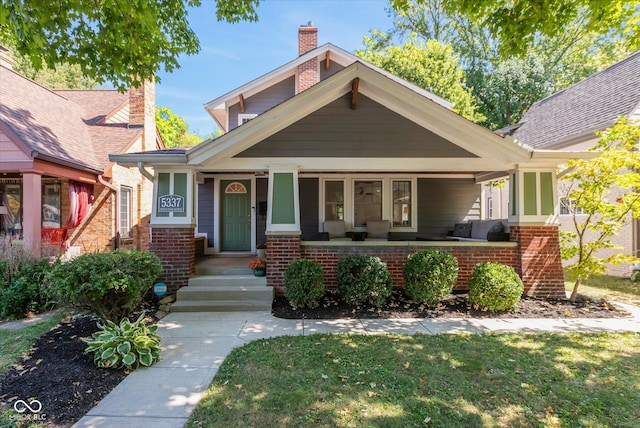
point(281, 251)
point(394, 257)
point(176, 248)
point(539, 263)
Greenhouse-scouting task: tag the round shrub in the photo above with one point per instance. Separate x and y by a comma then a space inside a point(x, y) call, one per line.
point(363, 279)
point(429, 276)
point(304, 283)
point(21, 289)
point(110, 285)
point(494, 287)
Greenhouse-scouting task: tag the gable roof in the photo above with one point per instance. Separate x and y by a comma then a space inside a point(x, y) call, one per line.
point(62, 126)
point(573, 114)
point(217, 107)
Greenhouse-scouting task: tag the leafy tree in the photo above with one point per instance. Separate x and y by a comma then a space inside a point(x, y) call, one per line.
point(517, 23)
point(606, 190)
point(173, 129)
point(430, 65)
point(123, 42)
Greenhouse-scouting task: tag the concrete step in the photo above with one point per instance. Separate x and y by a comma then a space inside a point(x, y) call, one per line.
point(221, 306)
point(228, 270)
point(224, 293)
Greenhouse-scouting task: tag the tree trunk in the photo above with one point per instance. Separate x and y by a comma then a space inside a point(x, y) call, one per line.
point(574, 292)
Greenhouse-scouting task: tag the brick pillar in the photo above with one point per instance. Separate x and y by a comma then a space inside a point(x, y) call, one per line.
point(175, 246)
point(281, 251)
point(539, 263)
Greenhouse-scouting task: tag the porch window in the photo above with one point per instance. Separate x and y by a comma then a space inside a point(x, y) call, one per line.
point(12, 200)
point(334, 200)
point(125, 211)
point(367, 205)
point(489, 207)
point(567, 207)
point(401, 203)
point(51, 205)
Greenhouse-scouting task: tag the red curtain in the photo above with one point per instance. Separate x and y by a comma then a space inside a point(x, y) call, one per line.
point(81, 199)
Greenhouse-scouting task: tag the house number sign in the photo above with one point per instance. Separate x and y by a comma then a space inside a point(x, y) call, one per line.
point(171, 204)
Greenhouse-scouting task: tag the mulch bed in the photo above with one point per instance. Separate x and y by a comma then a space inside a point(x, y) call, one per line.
point(60, 375)
point(456, 306)
point(64, 379)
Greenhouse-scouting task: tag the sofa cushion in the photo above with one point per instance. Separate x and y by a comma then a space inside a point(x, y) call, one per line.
point(480, 228)
point(335, 228)
point(378, 229)
point(462, 230)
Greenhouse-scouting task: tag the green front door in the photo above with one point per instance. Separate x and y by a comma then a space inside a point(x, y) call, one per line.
point(235, 209)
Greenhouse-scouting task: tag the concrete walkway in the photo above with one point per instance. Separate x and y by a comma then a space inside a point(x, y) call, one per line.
point(195, 344)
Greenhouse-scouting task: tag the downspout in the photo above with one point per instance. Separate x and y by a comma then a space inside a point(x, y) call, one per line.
point(144, 172)
point(114, 189)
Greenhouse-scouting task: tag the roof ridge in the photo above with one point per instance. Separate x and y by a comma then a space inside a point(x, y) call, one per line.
point(22, 76)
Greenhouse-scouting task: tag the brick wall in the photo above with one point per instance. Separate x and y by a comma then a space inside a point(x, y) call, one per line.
point(176, 248)
point(539, 263)
point(281, 251)
point(394, 257)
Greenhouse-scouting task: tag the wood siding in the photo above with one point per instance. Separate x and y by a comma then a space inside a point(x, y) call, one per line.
point(334, 67)
point(309, 200)
point(10, 152)
point(264, 100)
point(371, 130)
point(206, 202)
point(444, 202)
point(262, 189)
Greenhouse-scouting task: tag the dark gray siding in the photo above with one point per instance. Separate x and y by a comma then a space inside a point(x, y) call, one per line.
point(309, 218)
point(371, 130)
point(263, 101)
point(443, 202)
point(206, 199)
point(334, 67)
point(262, 188)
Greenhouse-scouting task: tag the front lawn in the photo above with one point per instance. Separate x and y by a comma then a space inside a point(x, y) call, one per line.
point(587, 380)
point(611, 288)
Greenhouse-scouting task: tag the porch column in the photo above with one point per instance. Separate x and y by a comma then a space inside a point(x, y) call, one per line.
point(283, 223)
point(533, 223)
point(172, 226)
point(31, 215)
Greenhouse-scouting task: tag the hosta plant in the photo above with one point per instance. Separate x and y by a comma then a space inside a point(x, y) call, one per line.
point(126, 344)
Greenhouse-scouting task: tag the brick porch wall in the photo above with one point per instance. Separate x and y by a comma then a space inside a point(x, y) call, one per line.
point(176, 248)
point(394, 257)
point(281, 251)
point(539, 263)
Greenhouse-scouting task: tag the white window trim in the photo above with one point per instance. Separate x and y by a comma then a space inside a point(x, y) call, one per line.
point(243, 116)
point(387, 201)
point(571, 203)
point(129, 211)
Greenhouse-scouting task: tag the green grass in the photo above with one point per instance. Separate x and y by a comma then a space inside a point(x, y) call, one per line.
point(15, 343)
point(585, 380)
point(611, 288)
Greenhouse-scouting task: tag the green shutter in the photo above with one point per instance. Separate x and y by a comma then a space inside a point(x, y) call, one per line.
point(180, 188)
point(530, 195)
point(163, 189)
point(546, 193)
point(283, 206)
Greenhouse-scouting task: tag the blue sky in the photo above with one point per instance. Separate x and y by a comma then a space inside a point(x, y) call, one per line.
point(234, 54)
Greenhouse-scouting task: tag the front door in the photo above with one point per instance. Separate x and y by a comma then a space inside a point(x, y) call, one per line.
point(235, 209)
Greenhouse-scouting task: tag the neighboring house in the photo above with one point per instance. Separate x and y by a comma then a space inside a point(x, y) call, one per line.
point(60, 193)
point(328, 137)
point(568, 120)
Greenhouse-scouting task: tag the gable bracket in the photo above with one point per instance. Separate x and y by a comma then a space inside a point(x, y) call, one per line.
point(327, 61)
point(241, 103)
point(354, 93)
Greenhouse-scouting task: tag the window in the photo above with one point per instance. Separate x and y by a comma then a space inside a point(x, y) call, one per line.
point(401, 203)
point(125, 212)
point(51, 205)
point(244, 118)
point(489, 207)
point(334, 200)
point(567, 207)
point(367, 201)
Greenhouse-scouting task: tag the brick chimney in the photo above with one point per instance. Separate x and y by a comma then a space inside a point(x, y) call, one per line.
point(308, 71)
point(142, 112)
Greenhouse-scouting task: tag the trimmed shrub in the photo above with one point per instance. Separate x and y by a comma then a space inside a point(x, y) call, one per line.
point(363, 279)
point(494, 287)
point(304, 283)
point(110, 285)
point(124, 345)
point(429, 276)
